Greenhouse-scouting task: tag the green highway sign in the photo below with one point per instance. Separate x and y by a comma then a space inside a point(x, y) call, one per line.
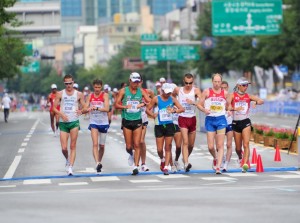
point(149, 37)
point(33, 67)
point(246, 17)
point(169, 52)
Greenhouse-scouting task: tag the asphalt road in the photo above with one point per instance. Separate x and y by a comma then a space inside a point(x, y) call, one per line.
point(34, 186)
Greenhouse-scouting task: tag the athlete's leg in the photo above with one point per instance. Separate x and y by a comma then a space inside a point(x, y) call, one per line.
point(168, 149)
point(52, 114)
point(143, 145)
point(192, 137)
point(220, 138)
point(238, 143)
point(73, 137)
point(245, 140)
point(94, 135)
point(136, 134)
point(64, 136)
point(185, 144)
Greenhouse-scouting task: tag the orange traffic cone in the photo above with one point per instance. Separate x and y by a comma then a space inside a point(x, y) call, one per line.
point(277, 157)
point(254, 156)
point(259, 166)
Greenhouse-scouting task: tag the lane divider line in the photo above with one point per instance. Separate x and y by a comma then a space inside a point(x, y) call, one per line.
point(11, 170)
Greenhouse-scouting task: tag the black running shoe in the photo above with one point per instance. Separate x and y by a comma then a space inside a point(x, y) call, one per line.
point(99, 167)
point(135, 171)
point(188, 167)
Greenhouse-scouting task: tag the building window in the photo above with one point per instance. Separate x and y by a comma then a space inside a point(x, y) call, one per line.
point(131, 29)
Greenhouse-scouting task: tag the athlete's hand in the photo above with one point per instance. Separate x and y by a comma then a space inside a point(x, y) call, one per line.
point(189, 101)
point(64, 117)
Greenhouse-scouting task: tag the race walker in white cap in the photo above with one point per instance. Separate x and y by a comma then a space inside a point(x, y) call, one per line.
point(130, 100)
point(239, 103)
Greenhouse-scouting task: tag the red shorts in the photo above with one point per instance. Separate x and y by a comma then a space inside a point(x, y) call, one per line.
point(187, 123)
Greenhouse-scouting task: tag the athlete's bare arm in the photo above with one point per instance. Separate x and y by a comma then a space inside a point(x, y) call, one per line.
point(150, 106)
point(118, 102)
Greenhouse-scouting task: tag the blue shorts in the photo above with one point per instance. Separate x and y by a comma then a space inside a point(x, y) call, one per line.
point(101, 128)
point(229, 128)
point(212, 124)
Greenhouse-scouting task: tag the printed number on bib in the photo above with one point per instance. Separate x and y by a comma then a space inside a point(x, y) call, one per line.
point(164, 115)
point(133, 108)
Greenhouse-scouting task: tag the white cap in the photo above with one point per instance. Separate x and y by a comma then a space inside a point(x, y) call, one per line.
point(157, 83)
point(53, 86)
point(106, 87)
point(173, 85)
point(115, 89)
point(167, 88)
point(75, 85)
point(162, 79)
point(242, 81)
point(86, 88)
point(135, 77)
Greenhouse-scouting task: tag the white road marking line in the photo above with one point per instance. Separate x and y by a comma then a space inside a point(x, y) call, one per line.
point(37, 181)
point(11, 170)
point(286, 189)
point(26, 139)
point(295, 172)
point(29, 135)
point(100, 179)
point(73, 184)
point(241, 174)
point(145, 181)
point(8, 186)
point(24, 144)
point(21, 150)
point(154, 158)
point(172, 176)
point(287, 176)
point(218, 178)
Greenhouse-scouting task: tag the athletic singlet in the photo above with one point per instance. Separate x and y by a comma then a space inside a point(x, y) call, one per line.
point(52, 97)
point(216, 103)
point(241, 101)
point(163, 116)
point(133, 113)
point(98, 117)
point(189, 109)
point(69, 105)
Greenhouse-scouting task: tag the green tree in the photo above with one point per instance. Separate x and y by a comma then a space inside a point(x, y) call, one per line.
point(11, 48)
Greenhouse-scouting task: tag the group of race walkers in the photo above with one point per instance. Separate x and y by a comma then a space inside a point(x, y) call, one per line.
point(173, 109)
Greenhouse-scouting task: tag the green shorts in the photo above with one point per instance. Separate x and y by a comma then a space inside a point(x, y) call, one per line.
point(67, 126)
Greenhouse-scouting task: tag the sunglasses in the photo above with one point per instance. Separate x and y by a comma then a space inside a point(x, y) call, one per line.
point(188, 83)
point(68, 83)
point(244, 85)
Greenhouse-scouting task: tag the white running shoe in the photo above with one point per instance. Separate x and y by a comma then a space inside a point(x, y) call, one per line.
point(70, 171)
point(174, 169)
point(177, 165)
point(131, 159)
point(145, 168)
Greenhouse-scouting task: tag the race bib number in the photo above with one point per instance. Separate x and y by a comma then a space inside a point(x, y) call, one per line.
point(133, 108)
point(188, 108)
point(165, 116)
point(242, 104)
